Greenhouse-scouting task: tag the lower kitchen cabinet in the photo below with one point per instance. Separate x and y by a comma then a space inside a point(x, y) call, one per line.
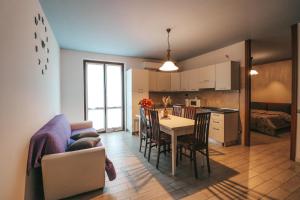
point(224, 128)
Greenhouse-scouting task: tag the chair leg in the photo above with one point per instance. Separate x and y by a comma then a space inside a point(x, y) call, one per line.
point(146, 147)
point(177, 155)
point(158, 154)
point(191, 156)
point(207, 159)
point(165, 150)
point(150, 146)
point(195, 163)
point(180, 150)
point(141, 141)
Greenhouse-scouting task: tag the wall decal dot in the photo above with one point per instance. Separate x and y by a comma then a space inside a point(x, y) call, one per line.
point(41, 42)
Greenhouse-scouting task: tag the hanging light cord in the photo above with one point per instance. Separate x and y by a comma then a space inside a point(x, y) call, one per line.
point(169, 46)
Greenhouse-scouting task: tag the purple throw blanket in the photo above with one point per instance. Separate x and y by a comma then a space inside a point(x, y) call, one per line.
point(53, 138)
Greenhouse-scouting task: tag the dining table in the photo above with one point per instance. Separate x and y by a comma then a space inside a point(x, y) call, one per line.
point(175, 126)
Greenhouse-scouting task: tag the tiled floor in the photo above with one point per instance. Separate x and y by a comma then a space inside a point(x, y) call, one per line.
point(260, 172)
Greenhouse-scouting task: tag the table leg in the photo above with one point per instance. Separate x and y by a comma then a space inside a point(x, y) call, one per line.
point(174, 152)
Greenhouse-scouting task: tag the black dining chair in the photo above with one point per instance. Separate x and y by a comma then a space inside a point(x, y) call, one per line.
point(189, 112)
point(144, 129)
point(157, 138)
point(177, 111)
point(198, 141)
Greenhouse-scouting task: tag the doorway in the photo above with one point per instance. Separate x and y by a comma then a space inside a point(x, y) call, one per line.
point(104, 95)
point(290, 108)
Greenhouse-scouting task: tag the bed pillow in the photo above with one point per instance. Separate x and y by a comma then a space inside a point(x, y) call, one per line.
point(84, 143)
point(84, 135)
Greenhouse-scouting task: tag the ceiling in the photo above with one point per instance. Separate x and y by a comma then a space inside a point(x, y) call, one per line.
point(137, 27)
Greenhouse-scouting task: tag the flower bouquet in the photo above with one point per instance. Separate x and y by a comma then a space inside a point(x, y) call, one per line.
point(166, 101)
point(146, 103)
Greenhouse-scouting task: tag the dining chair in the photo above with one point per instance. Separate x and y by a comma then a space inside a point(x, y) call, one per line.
point(157, 138)
point(189, 112)
point(144, 129)
point(177, 111)
point(198, 141)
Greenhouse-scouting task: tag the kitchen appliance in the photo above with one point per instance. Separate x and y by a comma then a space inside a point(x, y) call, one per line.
point(193, 102)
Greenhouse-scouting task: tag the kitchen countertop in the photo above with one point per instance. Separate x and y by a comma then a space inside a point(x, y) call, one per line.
point(219, 110)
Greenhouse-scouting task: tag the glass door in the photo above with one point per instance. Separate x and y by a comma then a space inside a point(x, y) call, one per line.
point(104, 103)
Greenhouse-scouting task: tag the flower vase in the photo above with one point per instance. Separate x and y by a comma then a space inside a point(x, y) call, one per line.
point(165, 114)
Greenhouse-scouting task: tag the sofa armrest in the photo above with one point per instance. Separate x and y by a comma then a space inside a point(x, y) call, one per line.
point(70, 173)
point(81, 125)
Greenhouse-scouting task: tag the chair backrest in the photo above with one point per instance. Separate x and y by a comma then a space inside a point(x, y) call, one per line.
point(143, 124)
point(177, 111)
point(201, 128)
point(189, 112)
point(155, 127)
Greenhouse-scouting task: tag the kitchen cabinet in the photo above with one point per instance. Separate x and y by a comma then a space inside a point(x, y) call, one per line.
point(184, 81)
point(163, 81)
point(227, 76)
point(175, 81)
point(207, 77)
point(159, 81)
point(193, 76)
point(137, 88)
point(139, 80)
point(152, 81)
point(224, 128)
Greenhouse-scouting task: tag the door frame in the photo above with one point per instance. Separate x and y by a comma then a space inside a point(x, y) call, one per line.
point(85, 61)
point(294, 107)
point(294, 90)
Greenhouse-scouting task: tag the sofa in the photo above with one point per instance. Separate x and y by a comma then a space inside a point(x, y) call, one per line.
point(66, 173)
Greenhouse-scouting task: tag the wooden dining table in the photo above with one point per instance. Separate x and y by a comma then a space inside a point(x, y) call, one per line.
point(176, 126)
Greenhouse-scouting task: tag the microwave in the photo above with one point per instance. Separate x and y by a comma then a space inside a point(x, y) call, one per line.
point(193, 103)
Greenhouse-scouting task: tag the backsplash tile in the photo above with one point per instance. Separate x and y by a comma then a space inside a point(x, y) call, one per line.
point(209, 97)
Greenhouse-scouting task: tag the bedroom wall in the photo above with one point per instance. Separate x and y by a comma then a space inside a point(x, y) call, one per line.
point(273, 83)
point(235, 52)
point(28, 99)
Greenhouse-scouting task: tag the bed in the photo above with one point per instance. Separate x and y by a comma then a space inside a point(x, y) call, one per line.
point(270, 118)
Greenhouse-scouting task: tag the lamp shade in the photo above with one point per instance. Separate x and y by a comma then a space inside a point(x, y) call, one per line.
point(253, 72)
point(168, 66)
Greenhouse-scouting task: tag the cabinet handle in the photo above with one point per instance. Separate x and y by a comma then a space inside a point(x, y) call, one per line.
point(216, 122)
point(216, 129)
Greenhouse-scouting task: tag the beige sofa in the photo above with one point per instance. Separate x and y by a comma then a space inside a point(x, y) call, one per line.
point(69, 173)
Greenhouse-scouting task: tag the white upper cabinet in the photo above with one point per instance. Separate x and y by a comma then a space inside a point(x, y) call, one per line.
point(184, 81)
point(152, 81)
point(140, 82)
point(159, 81)
point(175, 81)
point(207, 77)
point(194, 77)
point(163, 81)
point(227, 76)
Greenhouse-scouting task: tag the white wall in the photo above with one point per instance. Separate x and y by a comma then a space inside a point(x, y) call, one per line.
point(235, 52)
point(72, 86)
point(28, 99)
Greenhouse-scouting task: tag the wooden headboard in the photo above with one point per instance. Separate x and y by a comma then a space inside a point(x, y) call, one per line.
point(284, 107)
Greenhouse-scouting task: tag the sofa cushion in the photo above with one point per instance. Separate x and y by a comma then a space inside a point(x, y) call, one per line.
point(84, 143)
point(84, 134)
point(75, 132)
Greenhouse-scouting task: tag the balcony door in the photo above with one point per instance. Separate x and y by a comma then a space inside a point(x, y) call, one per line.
point(104, 102)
